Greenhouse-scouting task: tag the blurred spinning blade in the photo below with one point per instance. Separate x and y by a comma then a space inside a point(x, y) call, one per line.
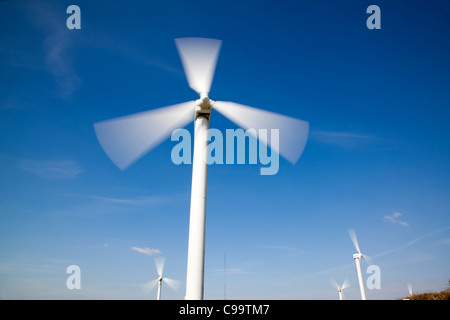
point(293, 133)
point(199, 58)
point(148, 286)
point(334, 284)
point(352, 234)
point(346, 284)
point(409, 285)
point(174, 284)
point(368, 259)
point(159, 262)
point(126, 139)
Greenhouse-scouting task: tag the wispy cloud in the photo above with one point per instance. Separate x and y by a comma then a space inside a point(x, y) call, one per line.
point(394, 219)
point(120, 46)
point(94, 205)
point(134, 201)
point(58, 46)
point(343, 139)
point(230, 271)
point(445, 242)
point(286, 250)
point(147, 251)
point(51, 169)
point(412, 242)
point(59, 64)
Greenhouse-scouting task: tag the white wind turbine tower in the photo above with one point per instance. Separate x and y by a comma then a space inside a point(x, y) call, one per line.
point(357, 257)
point(159, 262)
point(340, 289)
point(128, 138)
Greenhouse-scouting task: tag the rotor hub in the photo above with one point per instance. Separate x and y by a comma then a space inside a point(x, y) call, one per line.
point(357, 256)
point(203, 106)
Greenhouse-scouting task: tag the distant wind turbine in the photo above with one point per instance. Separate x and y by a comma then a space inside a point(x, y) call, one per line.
point(340, 289)
point(409, 285)
point(357, 257)
point(159, 262)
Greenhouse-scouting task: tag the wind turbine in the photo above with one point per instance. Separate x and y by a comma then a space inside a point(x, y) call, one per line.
point(357, 257)
point(409, 285)
point(345, 285)
point(126, 139)
point(159, 262)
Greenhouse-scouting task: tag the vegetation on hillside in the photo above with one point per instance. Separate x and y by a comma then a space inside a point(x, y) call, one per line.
point(443, 295)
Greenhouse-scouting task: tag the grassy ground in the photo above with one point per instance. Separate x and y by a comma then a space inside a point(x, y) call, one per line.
point(443, 295)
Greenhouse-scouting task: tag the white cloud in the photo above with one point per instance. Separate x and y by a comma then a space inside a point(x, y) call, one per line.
point(147, 251)
point(394, 219)
point(342, 139)
point(58, 46)
point(51, 169)
point(136, 201)
point(59, 65)
point(412, 242)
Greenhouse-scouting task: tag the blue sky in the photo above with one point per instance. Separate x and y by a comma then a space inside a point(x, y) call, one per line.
point(377, 157)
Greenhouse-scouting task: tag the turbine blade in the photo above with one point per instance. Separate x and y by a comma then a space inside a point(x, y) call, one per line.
point(199, 58)
point(293, 132)
point(148, 286)
point(159, 262)
point(409, 285)
point(352, 234)
point(174, 284)
point(368, 259)
point(334, 284)
point(346, 284)
point(126, 139)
